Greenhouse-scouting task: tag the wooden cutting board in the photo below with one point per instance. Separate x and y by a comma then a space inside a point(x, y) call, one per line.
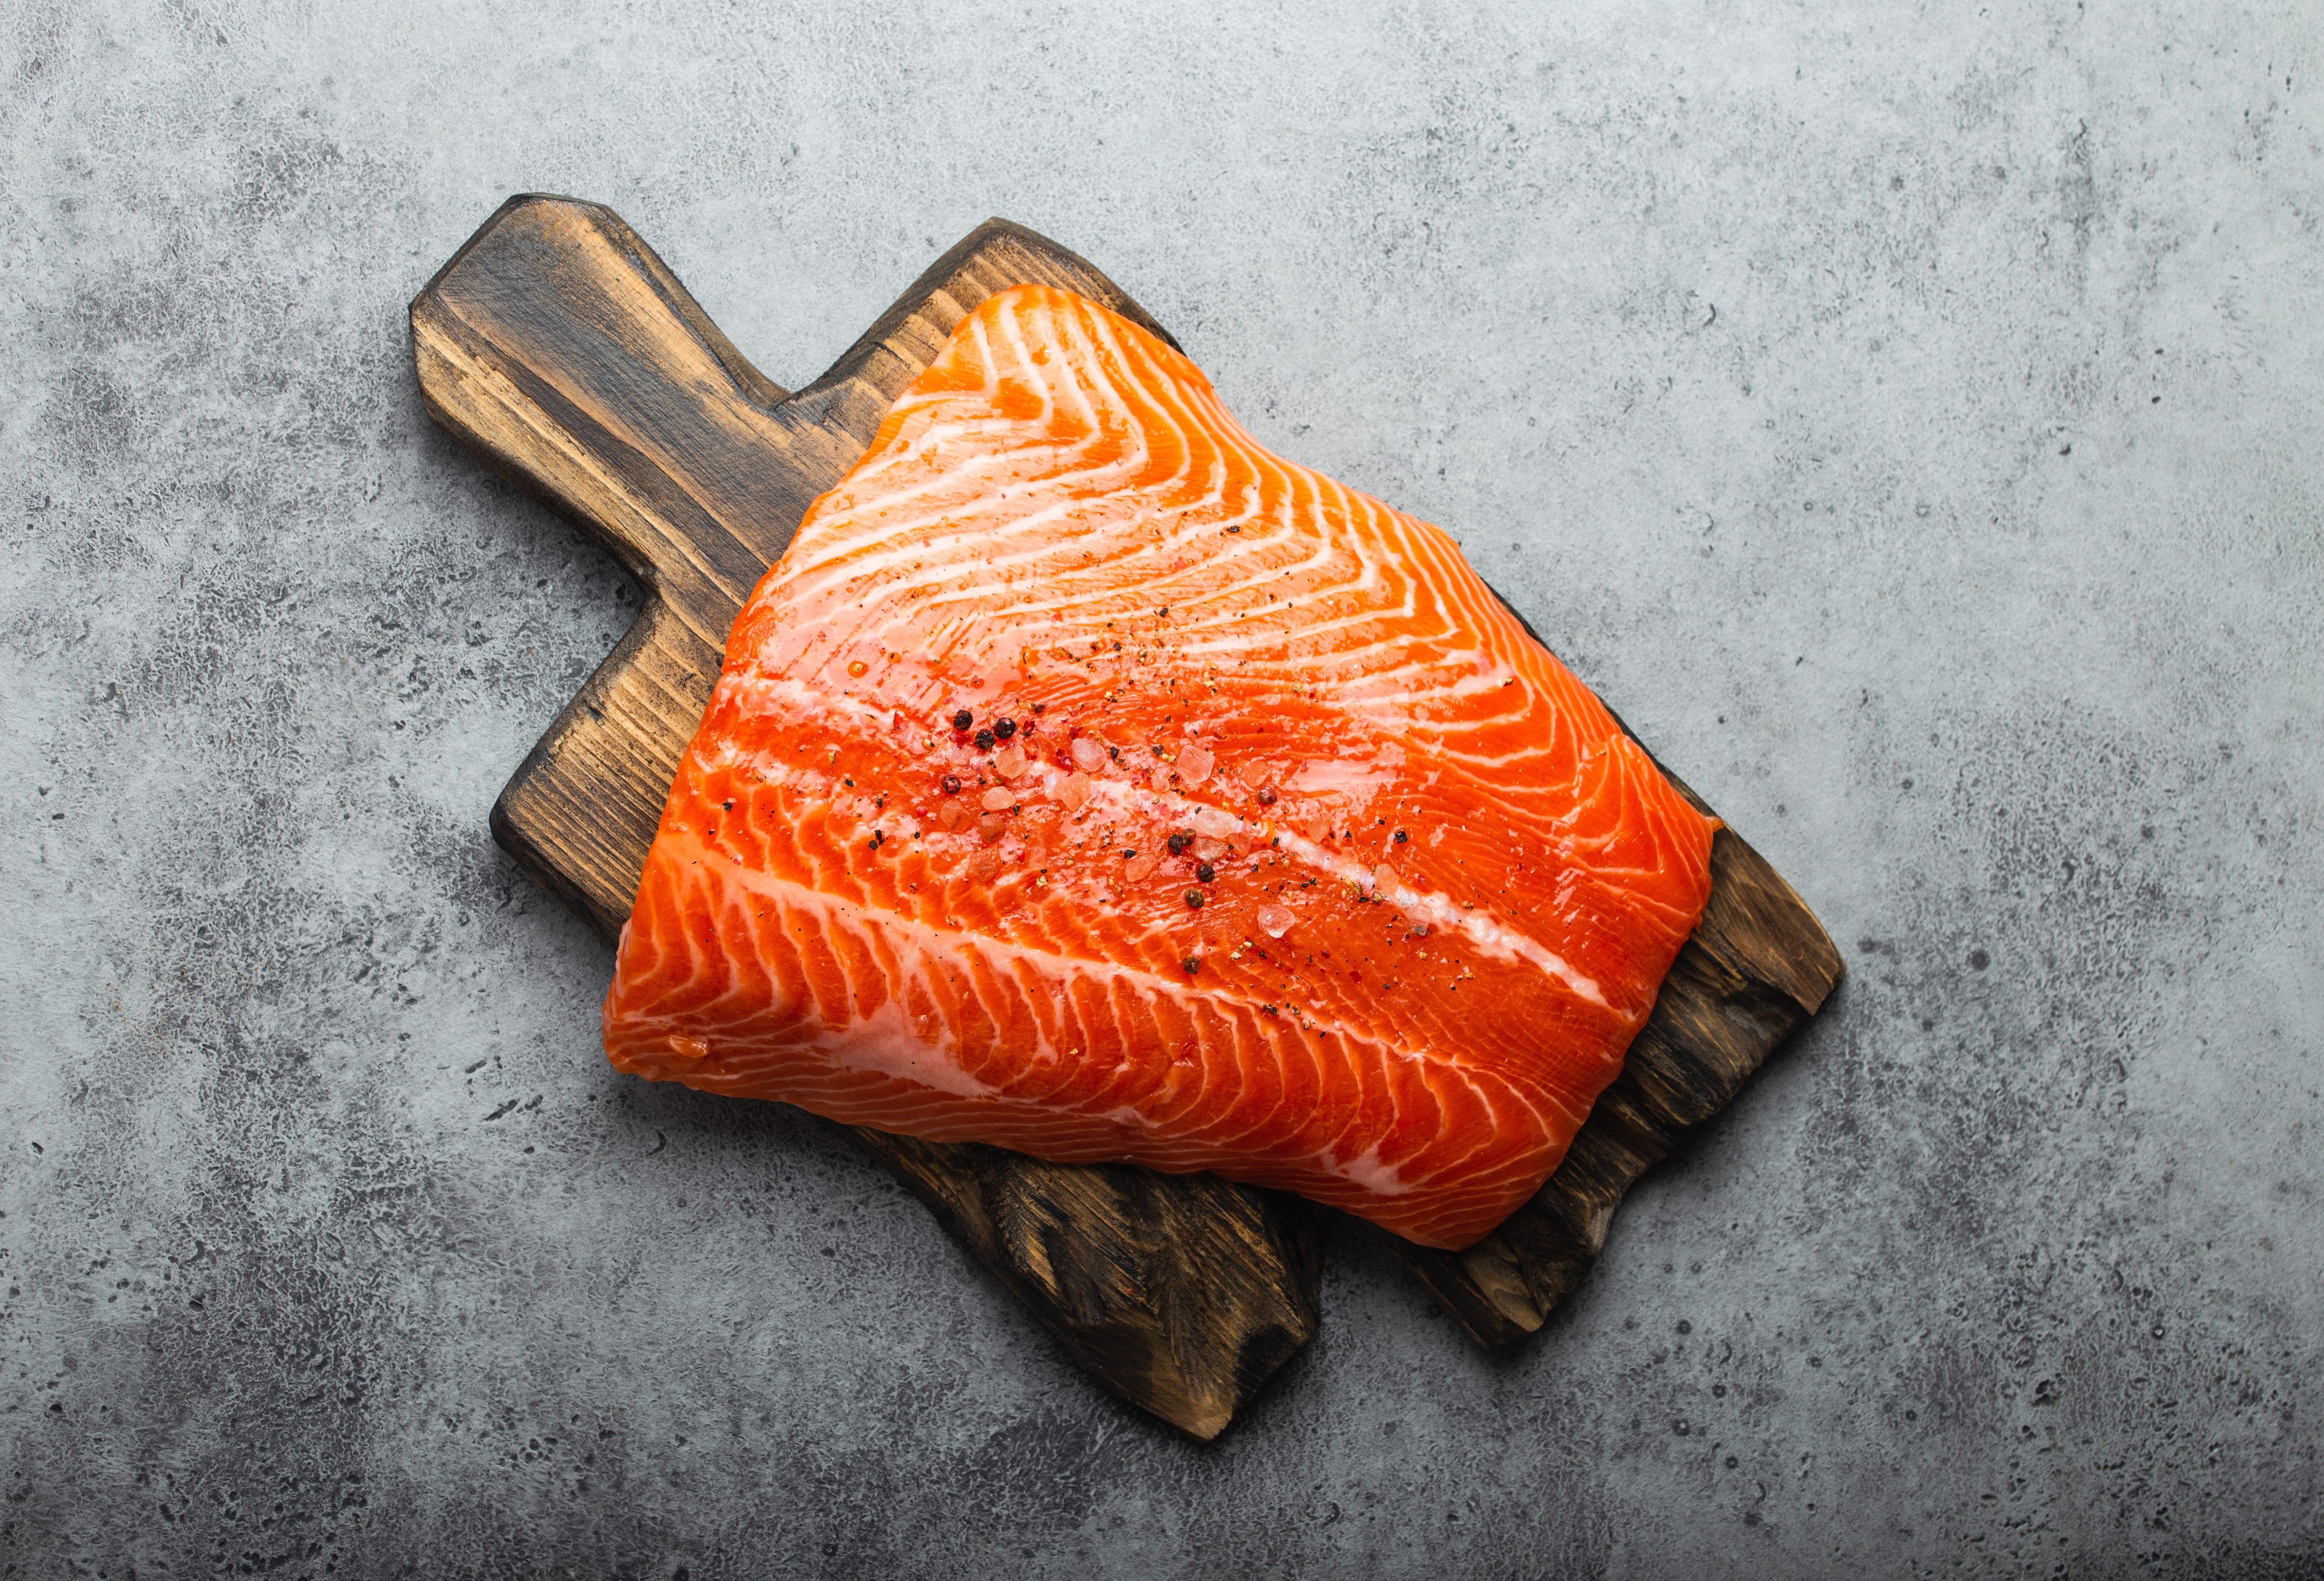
point(562, 349)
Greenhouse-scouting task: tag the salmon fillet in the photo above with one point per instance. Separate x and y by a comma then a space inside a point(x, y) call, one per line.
point(1088, 781)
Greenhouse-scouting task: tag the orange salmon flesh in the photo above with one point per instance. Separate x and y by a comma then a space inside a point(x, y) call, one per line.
point(1088, 780)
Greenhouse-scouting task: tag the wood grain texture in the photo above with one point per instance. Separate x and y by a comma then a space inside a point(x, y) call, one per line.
point(561, 348)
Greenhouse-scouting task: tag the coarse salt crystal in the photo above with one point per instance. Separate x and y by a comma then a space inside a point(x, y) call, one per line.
point(1010, 759)
point(998, 797)
point(952, 815)
point(1273, 921)
point(1089, 753)
point(1195, 766)
point(1141, 867)
point(1074, 791)
point(991, 824)
point(1384, 878)
point(1214, 821)
point(1206, 849)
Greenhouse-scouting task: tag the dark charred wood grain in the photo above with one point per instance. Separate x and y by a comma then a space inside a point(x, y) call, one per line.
point(563, 350)
point(1184, 1293)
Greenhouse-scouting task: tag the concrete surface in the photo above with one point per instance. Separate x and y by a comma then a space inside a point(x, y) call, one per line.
point(1908, 418)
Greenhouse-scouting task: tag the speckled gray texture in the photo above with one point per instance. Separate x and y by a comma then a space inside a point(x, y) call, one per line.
point(1909, 418)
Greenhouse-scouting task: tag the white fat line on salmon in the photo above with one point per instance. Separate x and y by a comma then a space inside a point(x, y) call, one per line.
point(1367, 582)
point(1283, 502)
point(1121, 550)
point(1349, 781)
point(1125, 544)
point(849, 553)
point(1433, 906)
point(1132, 534)
point(980, 513)
point(1439, 909)
point(1367, 1171)
point(886, 1041)
point(1081, 378)
point(935, 470)
point(1248, 546)
point(1364, 690)
point(957, 943)
point(1012, 328)
point(1018, 466)
point(1179, 377)
point(1512, 696)
point(791, 699)
point(835, 555)
point(796, 700)
point(1074, 380)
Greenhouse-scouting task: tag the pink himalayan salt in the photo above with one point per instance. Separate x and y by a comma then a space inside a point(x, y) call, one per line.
point(1010, 759)
point(1141, 867)
point(1214, 822)
point(1075, 791)
point(1089, 753)
point(1206, 849)
point(1195, 766)
point(1384, 879)
point(991, 824)
point(952, 815)
point(999, 799)
point(1273, 921)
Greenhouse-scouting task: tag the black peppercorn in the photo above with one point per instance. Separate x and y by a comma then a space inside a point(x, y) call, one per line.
point(984, 741)
point(962, 720)
point(1399, 836)
point(1004, 728)
point(1192, 965)
point(1181, 840)
point(1205, 872)
point(1194, 900)
point(1266, 796)
point(952, 784)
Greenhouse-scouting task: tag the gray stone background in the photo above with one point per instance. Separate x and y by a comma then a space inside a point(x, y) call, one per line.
point(1908, 417)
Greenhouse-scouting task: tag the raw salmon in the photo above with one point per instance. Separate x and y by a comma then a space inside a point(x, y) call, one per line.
point(1088, 780)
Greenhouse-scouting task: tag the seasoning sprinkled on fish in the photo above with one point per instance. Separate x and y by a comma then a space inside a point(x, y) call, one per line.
point(1374, 919)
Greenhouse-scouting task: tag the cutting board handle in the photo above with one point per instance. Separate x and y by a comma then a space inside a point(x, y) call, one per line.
point(557, 343)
